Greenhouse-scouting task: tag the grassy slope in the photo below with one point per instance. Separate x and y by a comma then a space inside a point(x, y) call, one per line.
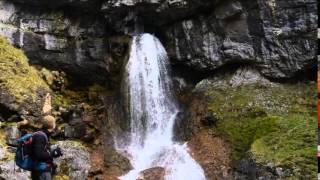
point(16, 76)
point(276, 124)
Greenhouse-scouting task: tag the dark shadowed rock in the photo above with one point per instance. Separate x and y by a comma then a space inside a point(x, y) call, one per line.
point(209, 120)
point(182, 127)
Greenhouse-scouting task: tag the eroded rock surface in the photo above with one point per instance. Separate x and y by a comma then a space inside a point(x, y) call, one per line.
point(275, 36)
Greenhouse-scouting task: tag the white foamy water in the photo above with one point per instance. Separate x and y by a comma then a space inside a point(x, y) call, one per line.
point(153, 110)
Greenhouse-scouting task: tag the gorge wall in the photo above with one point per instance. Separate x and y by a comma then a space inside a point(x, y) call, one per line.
point(277, 37)
point(80, 47)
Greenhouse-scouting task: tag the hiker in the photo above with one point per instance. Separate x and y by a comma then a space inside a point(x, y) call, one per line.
point(41, 154)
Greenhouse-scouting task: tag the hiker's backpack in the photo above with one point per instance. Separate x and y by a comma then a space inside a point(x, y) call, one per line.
point(23, 157)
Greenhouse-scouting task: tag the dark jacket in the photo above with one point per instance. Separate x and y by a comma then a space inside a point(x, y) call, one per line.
point(41, 148)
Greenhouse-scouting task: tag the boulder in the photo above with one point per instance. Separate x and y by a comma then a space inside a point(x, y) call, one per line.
point(75, 162)
point(116, 162)
point(12, 134)
point(8, 170)
point(156, 173)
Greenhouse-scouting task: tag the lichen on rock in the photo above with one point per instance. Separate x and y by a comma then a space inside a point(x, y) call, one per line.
point(75, 162)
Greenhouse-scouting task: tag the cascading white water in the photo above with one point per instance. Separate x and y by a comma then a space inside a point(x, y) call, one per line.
point(153, 110)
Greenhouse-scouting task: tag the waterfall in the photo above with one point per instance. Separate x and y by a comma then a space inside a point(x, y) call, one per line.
point(152, 110)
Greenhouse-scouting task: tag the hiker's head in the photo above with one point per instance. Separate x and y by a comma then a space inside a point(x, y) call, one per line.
point(49, 123)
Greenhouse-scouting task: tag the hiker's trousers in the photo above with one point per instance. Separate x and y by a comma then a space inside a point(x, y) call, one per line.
point(35, 175)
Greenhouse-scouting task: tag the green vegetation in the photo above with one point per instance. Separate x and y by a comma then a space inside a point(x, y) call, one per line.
point(17, 77)
point(275, 124)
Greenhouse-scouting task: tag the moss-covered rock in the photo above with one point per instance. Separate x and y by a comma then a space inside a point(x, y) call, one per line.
point(273, 125)
point(20, 85)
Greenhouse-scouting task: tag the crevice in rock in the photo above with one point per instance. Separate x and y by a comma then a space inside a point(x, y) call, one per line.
point(7, 114)
point(305, 75)
point(194, 76)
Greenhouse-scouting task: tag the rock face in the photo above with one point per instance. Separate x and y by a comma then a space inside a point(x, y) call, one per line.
point(275, 36)
point(53, 39)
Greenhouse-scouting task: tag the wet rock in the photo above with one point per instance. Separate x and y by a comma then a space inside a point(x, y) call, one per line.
point(179, 84)
point(75, 162)
point(116, 162)
point(182, 127)
point(156, 173)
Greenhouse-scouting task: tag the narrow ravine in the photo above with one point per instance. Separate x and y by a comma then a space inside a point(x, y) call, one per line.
point(152, 109)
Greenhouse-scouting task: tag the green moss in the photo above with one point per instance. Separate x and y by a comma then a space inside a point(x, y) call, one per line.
point(16, 76)
point(276, 124)
point(292, 144)
point(241, 133)
point(68, 97)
